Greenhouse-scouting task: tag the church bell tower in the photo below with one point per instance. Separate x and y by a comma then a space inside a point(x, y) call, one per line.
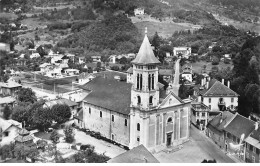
point(145, 91)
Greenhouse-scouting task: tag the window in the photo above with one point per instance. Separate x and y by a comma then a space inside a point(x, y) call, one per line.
point(100, 114)
point(232, 100)
point(113, 118)
point(138, 100)
point(138, 139)
point(151, 100)
point(234, 138)
point(253, 159)
point(138, 126)
point(6, 133)
point(210, 107)
point(113, 137)
point(231, 106)
point(170, 101)
point(89, 110)
point(203, 114)
point(247, 154)
point(209, 100)
point(169, 120)
point(125, 122)
point(254, 150)
point(198, 114)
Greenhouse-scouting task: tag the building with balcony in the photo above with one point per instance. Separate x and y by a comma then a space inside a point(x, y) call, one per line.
point(199, 115)
point(216, 95)
point(136, 113)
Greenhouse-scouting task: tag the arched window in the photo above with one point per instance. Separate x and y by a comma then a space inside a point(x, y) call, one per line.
point(137, 81)
point(138, 126)
point(138, 100)
point(152, 81)
point(141, 81)
point(170, 101)
point(149, 82)
point(100, 114)
point(89, 110)
point(151, 100)
point(113, 118)
point(169, 120)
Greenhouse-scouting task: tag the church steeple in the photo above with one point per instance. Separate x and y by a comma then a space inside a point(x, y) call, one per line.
point(145, 55)
point(145, 92)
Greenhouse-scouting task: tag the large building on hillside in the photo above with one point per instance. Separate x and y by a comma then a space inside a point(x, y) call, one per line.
point(137, 113)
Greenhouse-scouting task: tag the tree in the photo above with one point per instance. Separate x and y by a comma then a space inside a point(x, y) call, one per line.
point(41, 144)
point(156, 41)
point(60, 113)
point(26, 95)
point(69, 134)
point(42, 118)
point(7, 112)
point(54, 137)
point(6, 77)
point(20, 113)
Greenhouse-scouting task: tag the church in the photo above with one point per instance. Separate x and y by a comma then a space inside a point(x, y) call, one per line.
point(138, 111)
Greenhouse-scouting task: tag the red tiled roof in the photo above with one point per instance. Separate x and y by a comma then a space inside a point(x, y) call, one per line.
point(138, 154)
point(240, 125)
point(218, 89)
point(109, 94)
point(145, 55)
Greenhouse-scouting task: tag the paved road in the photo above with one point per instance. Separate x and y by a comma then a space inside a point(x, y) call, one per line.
point(177, 72)
point(209, 147)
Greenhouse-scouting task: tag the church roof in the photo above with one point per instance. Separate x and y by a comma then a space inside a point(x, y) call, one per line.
point(138, 154)
point(109, 94)
point(145, 55)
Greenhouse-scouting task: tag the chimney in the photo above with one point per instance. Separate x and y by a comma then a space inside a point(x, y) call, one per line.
point(256, 125)
point(207, 85)
point(205, 80)
point(223, 81)
point(228, 84)
point(201, 82)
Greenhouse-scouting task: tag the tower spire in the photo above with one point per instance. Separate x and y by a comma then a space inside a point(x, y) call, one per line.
point(145, 31)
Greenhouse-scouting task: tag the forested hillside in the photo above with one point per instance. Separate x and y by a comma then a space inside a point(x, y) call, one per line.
point(116, 33)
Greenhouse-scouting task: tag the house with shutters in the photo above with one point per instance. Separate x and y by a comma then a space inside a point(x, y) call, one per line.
point(216, 95)
point(252, 146)
point(137, 113)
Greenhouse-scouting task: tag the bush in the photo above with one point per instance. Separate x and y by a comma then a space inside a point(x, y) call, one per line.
point(54, 137)
point(69, 134)
point(215, 61)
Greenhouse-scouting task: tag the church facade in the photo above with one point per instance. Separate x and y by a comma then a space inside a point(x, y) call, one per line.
point(138, 111)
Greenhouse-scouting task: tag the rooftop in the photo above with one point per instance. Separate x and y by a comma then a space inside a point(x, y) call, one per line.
point(145, 55)
point(218, 89)
point(217, 123)
point(110, 91)
point(240, 125)
point(61, 101)
point(7, 100)
point(10, 84)
point(5, 124)
point(138, 154)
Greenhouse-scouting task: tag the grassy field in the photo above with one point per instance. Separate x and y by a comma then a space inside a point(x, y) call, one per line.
point(163, 29)
point(199, 65)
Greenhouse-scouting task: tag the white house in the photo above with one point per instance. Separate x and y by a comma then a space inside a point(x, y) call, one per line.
point(84, 78)
point(187, 73)
point(139, 11)
point(44, 67)
point(112, 58)
point(184, 51)
point(216, 95)
point(8, 130)
point(71, 72)
point(54, 71)
point(96, 58)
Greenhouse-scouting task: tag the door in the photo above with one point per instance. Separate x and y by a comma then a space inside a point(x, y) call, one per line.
point(169, 139)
